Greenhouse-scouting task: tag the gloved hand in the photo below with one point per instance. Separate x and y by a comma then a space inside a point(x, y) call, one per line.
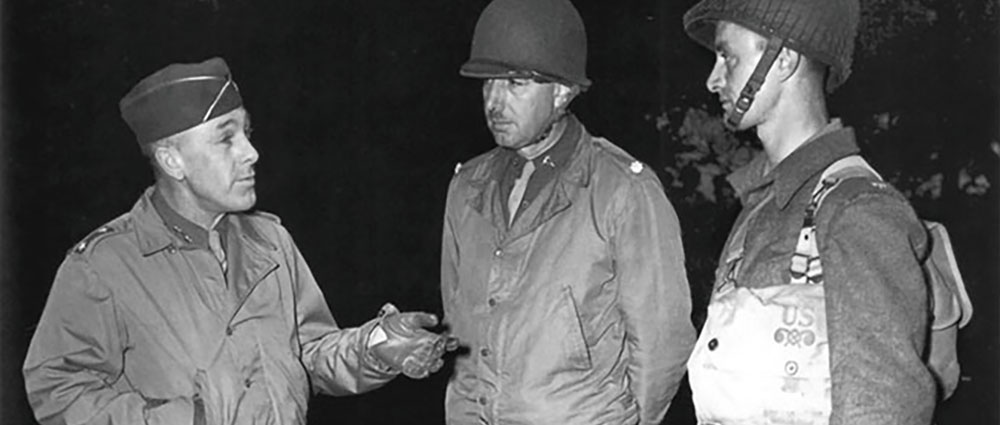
point(406, 346)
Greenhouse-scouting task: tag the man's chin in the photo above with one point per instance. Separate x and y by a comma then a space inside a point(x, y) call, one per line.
point(503, 142)
point(507, 142)
point(246, 202)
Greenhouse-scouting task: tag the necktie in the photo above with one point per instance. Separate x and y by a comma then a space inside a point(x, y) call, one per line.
point(517, 194)
point(215, 243)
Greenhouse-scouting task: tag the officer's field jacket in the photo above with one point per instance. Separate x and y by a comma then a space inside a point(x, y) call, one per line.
point(579, 312)
point(140, 324)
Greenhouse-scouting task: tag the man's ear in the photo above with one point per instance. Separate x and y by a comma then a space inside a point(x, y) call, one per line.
point(787, 63)
point(170, 161)
point(563, 96)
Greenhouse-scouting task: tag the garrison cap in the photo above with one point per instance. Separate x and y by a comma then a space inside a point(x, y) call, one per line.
point(179, 97)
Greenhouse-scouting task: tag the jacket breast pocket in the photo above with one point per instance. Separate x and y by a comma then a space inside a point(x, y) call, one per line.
point(573, 337)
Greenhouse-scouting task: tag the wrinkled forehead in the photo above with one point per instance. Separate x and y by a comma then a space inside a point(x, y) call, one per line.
point(237, 119)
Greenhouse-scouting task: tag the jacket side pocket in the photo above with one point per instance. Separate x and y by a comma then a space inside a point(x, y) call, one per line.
point(575, 341)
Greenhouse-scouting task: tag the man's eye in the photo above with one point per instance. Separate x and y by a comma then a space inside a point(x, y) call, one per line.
point(518, 82)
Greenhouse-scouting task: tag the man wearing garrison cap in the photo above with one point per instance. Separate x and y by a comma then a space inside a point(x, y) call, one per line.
point(189, 309)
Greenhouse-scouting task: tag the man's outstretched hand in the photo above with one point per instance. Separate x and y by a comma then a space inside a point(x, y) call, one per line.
point(404, 345)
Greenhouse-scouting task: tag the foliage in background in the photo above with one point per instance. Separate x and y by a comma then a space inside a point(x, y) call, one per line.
point(896, 120)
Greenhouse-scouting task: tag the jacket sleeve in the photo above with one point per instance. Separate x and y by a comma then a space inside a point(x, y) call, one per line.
point(877, 312)
point(449, 261)
point(655, 300)
point(337, 360)
point(73, 368)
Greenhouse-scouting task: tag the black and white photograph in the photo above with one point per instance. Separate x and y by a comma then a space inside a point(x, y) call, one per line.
point(468, 212)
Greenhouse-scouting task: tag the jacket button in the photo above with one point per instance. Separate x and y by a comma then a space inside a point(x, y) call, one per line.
point(492, 302)
point(229, 331)
point(485, 352)
point(498, 253)
point(712, 344)
point(247, 382)
point(482, 400)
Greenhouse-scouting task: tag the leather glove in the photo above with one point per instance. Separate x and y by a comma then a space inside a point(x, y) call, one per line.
point(406, 346)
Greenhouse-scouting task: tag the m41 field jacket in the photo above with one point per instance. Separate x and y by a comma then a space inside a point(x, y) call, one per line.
point(577, 313)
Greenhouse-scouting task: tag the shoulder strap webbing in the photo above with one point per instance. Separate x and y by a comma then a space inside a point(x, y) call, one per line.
point(806, 266)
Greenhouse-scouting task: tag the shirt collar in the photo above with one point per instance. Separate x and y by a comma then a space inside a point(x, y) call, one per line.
point(183, 228)
point(810, 159)
point(557, 157)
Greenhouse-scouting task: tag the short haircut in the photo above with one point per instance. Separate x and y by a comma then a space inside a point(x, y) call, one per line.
point(814, 70)
point(149, 149)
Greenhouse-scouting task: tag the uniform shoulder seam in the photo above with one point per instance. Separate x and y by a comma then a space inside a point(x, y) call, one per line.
point(114, 227)
point(619, 158)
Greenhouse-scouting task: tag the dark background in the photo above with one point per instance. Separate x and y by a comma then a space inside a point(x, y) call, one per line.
point(360, 117)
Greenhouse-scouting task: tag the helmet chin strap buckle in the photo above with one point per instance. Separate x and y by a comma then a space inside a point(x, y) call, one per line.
point(756, 81)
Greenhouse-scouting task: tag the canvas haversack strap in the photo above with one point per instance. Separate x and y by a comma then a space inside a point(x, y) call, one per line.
point(951, 307)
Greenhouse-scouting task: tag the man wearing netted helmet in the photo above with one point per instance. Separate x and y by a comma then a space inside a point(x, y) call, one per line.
point(819, 311)
point(562, 267)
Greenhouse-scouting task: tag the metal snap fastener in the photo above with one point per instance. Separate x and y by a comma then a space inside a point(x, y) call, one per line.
point(791, 368)
point(713, 344)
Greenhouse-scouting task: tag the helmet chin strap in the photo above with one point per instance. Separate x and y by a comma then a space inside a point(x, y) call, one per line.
point(733, 118)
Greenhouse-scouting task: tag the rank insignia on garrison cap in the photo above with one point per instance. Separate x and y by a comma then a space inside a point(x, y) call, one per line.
point(179, 97)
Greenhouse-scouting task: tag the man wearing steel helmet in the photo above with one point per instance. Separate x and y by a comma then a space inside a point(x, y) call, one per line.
point(189, 309)
point(819, 313)
point(562, 265)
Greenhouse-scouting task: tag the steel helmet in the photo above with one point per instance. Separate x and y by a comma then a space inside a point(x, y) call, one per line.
point(822, 30)
point(529, 38)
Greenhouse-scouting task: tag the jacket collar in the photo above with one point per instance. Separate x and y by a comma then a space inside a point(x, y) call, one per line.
point(576, 171)
point(151, 232)
point(832, 143)
point(154, 235)
point(185, 229)
point(578, 164)
point(485, 178)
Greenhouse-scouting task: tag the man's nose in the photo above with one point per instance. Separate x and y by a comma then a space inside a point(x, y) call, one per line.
point(715, 80)
point(492, 95)
point(251, 153)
